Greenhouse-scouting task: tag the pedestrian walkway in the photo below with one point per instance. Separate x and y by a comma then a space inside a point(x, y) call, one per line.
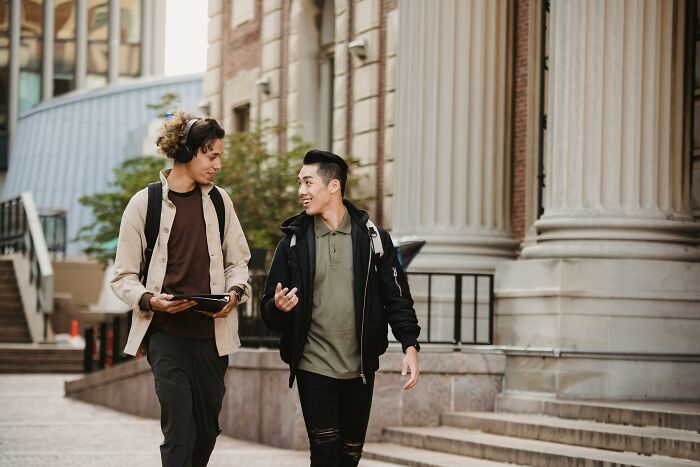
point(40, 427)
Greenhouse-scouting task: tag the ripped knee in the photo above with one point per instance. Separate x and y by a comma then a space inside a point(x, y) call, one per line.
point(351, 450)
point(324, 436)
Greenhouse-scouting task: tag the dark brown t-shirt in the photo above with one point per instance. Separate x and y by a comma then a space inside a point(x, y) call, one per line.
point(187, 271)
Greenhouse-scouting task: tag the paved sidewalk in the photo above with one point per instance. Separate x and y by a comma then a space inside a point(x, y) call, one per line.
point(39, 427)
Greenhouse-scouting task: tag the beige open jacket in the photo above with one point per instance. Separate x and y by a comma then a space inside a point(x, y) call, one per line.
point(223, 274)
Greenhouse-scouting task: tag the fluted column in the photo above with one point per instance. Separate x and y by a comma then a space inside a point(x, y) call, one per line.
point(48, 18)
point(114, 41)
point(452, 173)
point(617, 178)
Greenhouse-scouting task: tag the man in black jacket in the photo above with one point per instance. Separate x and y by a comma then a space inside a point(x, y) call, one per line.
point(331, 292)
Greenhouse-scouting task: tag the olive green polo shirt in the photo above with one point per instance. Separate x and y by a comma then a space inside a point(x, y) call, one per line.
point(331, 347)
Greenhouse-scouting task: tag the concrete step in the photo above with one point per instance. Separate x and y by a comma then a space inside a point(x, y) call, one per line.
point(15, 333)
point(644, 440)
point(40, 358)
point(414, 457)
point(13, 297)
point(12, 317)
point(678, 415)
point(470, 443)
point(11, 306)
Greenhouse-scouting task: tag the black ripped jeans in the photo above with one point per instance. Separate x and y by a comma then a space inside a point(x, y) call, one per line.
point(336, 414)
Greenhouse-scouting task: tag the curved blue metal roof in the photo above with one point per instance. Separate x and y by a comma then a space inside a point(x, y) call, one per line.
point(68, 147)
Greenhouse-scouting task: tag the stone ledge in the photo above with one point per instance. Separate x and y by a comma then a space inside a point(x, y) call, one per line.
point(489, 362)
point(113, 374)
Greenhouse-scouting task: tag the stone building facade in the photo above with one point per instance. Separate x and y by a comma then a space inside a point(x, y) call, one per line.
point(551, 143)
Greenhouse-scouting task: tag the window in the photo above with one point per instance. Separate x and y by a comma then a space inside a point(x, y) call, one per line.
point(241, 118)
point(130, 38)
point(64, 47)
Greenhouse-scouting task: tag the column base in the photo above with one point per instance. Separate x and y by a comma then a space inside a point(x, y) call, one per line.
point(464, 253)
point(607, 328)
point(630, 238)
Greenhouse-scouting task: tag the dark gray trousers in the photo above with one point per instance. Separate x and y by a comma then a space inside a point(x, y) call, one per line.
point(189, 375)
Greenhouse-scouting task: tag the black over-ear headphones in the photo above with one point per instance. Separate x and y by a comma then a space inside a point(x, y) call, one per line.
point(186, 152)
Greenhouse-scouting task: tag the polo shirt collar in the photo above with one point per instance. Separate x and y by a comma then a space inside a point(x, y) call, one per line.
point(321, 229)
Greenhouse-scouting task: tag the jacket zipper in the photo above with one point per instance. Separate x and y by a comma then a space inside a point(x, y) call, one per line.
point(364, 306)
point(396, 280)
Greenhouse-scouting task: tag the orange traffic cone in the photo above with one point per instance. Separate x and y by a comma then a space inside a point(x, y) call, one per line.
point(74, 328)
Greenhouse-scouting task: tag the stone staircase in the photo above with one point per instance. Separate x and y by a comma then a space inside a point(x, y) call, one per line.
point(18, 354)
point(531, 430)
point(13, 324)
point(40, 358)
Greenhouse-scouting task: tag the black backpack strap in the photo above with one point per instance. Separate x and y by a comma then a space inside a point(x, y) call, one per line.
point(155, 201)
point(215, 196)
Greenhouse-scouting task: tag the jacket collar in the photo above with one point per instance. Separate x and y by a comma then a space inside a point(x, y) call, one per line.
point(205, 188)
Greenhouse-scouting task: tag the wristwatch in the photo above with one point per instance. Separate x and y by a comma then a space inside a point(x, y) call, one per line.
point(237, 290)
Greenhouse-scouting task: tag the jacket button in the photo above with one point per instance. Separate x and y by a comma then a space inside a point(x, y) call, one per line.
point(166, 230)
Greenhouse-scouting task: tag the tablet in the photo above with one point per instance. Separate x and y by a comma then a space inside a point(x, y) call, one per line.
point(206, 302)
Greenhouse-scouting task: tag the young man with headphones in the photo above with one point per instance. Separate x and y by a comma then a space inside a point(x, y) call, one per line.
point(192, 254)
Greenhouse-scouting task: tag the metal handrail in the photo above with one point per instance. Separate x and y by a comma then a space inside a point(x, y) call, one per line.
point(103, 342)
point(21, 232)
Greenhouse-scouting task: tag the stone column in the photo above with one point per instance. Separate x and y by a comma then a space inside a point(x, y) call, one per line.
point(114, 42)
point(146, 38)
point(212, 85)
point(13, 91)
point(81, 38)
point(268, 97)
point(451, 166)
point(610, 292)
point(452, 172)
point(617, 178)
point(48, 21)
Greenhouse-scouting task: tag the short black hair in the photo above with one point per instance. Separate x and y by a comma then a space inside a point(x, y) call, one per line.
point(330, 166)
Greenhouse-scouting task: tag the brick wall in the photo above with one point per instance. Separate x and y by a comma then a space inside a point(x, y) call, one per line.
point(242, 45)
point(520, 90)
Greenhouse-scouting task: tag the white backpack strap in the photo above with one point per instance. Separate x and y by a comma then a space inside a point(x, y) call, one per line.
point(374, 236)
point(293, 241)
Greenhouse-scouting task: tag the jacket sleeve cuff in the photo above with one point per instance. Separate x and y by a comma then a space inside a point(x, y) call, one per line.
point(411, 341)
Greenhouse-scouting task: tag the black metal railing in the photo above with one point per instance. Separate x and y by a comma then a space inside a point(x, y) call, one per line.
point(13, 226)
point(104, 343)
point(251, 329)
point(453, 309)
point(21, 233)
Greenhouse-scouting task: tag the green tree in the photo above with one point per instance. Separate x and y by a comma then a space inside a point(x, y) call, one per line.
point(262, 185)
point(130, 177)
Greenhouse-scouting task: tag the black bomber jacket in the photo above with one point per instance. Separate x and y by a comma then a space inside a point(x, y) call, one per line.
point(382, 296)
